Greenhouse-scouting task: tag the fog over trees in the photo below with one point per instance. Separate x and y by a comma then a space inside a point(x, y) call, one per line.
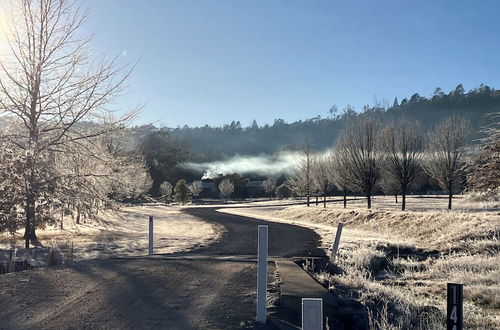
point(168, 150)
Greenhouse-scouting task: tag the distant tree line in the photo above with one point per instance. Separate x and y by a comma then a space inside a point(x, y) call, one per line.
point(206, 144)
point(368, 156)
point(166, 149)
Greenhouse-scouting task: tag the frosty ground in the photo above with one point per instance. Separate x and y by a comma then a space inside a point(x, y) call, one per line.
point(124, 233)
point(397, 263)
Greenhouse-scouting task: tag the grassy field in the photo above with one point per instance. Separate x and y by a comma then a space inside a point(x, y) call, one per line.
point(122, 233)
point(397, 263)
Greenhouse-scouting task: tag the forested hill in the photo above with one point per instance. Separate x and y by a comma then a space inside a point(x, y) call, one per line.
point(205, 144)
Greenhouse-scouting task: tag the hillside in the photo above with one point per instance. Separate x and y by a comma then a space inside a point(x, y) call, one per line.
point(206, 144)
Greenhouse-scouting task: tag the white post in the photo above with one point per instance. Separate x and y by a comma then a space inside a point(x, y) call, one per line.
point(150, 235)
point(335, 249)
point(312, 314)
point(262, 274)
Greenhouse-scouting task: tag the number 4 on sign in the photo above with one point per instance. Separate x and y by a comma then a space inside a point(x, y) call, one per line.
point(453, 315)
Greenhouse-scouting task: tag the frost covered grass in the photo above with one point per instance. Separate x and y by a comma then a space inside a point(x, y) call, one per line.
point(397, 263)
point(123, 233)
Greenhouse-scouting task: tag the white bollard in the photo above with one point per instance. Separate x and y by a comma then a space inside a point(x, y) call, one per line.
point(262, 274)
point(150, 235)
point(335, 248)
point(312, 314)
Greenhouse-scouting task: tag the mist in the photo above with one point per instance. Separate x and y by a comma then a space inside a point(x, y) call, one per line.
point(282, 163)
point(266, 165)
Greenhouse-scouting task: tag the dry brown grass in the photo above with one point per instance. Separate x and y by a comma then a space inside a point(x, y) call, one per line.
point(385, 254)
point(441, 230)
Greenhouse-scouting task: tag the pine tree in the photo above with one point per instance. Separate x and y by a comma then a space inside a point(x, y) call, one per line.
point(182, 193)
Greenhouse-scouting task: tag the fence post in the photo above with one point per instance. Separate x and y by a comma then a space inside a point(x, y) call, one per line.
point(336, 243)
point(150, 235)
point(312, 314)
point(262, 273)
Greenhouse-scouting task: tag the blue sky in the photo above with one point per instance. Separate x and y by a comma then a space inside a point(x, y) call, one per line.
point(210, 62)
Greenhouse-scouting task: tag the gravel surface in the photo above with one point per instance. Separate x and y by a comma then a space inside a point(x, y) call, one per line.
point(153, 293)
point(131, 294)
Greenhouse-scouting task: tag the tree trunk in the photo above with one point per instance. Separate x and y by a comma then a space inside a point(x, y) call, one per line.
point(307, 200)
point(396, 196)
point(29, 230)
point(316, 200)
point(345, 199)
point(450, 197)
point(369, 200)
point(324, 200)
point(78, 216)
point(403, 194)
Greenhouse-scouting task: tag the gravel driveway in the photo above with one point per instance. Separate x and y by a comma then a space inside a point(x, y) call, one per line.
point(153, 293)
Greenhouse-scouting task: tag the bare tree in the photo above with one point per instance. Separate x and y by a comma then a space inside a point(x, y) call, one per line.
point(196, 188)
point(390, 185)
point(302, 180)
point(357, 150)
point(97, 175)
point(270, 185)
point(403, 148)
point(226, 188)
point(484, 174)
point(50, 89)
point(446, 154)
point(322, 175)
point(166, 190)
point(339, 173)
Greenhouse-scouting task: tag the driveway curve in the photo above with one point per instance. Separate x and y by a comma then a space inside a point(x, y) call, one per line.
point(240, 236)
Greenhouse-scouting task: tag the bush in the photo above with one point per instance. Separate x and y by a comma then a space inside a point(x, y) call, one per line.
point(182, 193)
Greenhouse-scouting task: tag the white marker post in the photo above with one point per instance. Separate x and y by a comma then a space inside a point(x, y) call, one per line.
point(335, 249)
point(312, 314)
point(262, 274)
point(150, 235)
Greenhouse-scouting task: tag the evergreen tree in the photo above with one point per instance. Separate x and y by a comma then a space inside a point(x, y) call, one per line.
point(182, 193)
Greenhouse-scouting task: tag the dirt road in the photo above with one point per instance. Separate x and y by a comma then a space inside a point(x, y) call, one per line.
point(240, 236)
point(152, 293)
